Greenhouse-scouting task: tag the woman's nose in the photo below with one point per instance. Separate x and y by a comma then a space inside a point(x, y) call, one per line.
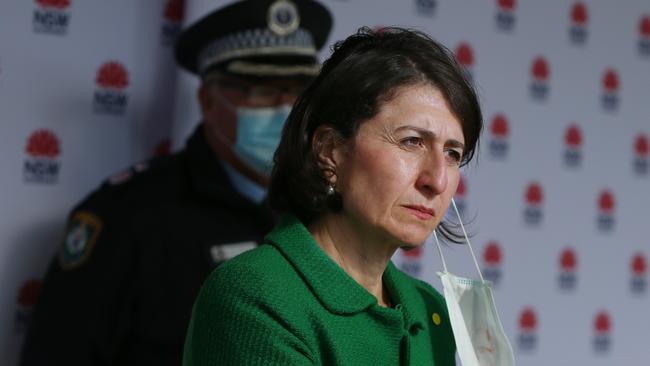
point(432, 178)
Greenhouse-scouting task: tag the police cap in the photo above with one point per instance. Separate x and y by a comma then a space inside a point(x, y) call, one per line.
point(257, 38)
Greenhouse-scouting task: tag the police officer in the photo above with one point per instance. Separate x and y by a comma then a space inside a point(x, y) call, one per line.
point(136, 251)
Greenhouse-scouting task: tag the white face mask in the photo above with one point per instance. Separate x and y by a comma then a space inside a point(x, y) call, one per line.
point(480, 339)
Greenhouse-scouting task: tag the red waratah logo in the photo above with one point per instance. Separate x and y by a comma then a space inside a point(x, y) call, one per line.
point(411, 262)
point(602, 328)
point(579, 18)
point(606, 202)
point(644, 27)
point(28, 293)
point(540, 72)
point(606, 205)
point(602, 323)
point(534, 195)
point(611, 85)
point(638, 265)
point(505, 17)
point(573, 141)
point(43, 143)
point(568, 261)
point(499, 130)
point(573, 137)
point(58, 4)
point(579, 15)
point(540, 69)
point(507, 5)
point(461, 192)
point(50, 16)
point(527, 339)
point(611, 82)
point(492, 257)
point(465, 55)
point(164, 147)
point(492, 254)
point(413, 253)
point(112, 75)
point(641, 146)
point(640, 162)
point(25, 301)
point(174, 10)
point(499, 126)
point(426, 7)
point(111, 98)
point(528, 320)
point(41, 166)
point(461, 189)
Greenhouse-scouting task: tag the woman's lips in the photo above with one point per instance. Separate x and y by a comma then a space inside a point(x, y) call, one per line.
point(421, 212)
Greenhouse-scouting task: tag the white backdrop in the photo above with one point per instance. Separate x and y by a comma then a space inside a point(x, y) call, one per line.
point(557, 201)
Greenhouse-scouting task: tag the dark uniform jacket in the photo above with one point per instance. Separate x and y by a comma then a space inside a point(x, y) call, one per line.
point(135, 253)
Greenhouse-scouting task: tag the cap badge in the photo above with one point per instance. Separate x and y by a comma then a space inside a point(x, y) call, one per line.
point(283, 17)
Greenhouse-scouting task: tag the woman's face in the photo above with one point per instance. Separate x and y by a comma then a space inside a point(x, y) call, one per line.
point(399, 173)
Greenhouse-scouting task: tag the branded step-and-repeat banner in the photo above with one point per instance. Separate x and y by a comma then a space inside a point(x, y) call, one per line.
point(86, 89)
point(556, 203)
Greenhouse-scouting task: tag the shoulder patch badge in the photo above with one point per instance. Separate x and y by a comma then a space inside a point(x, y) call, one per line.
point(80, 237)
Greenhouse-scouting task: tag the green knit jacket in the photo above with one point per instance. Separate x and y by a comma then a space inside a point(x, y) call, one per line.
point(287, 303)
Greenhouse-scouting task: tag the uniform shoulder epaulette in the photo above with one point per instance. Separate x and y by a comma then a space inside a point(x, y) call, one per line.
point(127, 174)
point(152, 166)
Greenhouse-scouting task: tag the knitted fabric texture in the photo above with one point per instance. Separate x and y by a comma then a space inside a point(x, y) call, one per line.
point(287, 303)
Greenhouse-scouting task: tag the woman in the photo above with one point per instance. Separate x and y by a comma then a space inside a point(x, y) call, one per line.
point(369, 160)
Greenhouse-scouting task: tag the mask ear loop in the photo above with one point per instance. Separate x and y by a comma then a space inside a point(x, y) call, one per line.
point(478, 268)
point(444, 264)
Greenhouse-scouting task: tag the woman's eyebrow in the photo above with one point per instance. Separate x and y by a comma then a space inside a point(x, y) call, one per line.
point(428, 134)
point(419, 130)
point(456, 143)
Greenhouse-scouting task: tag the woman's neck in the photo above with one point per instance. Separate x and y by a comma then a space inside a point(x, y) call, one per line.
point(362, 255)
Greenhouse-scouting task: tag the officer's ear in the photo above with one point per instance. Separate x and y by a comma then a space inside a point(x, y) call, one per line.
point(206, 100)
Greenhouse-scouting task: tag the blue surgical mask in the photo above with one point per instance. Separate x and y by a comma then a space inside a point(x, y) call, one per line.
point(258, 135)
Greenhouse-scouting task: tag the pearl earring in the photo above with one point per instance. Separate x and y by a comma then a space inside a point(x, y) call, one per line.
point(330, 190)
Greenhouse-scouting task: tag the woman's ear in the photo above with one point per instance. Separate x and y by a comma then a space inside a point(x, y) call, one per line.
point(328, 148)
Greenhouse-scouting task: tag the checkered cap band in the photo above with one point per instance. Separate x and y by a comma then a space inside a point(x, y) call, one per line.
point(256, 42)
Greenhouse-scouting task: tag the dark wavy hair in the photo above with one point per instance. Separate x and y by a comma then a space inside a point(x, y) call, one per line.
point(364, 72)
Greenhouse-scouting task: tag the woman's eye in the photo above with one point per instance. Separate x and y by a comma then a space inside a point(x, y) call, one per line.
point(454, 156)
point(412, 141)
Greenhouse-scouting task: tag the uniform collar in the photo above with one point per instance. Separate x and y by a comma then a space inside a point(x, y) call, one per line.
point(208, 176)
point(246, 187)
point(335, 289)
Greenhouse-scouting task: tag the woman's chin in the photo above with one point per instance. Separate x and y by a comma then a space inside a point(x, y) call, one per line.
point(412, 235)
point(412, 239)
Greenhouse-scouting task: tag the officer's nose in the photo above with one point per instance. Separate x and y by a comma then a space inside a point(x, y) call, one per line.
point(287, 98)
